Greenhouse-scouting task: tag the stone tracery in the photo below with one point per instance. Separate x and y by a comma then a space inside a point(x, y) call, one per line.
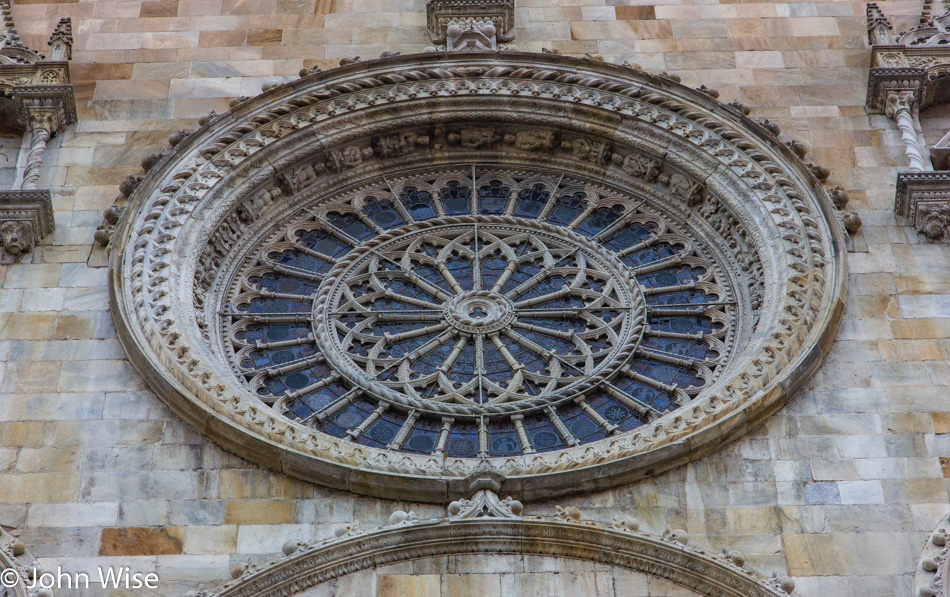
point(300, 154)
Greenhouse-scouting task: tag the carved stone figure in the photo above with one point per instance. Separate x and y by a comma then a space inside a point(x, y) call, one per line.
point(474, 137)
point(399, 144)
point(348, 157)
point(639, 166)
point(17, 238)
point(532, 140)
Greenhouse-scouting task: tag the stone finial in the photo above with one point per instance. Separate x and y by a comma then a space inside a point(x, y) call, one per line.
point(879, 27)
point(61, 41)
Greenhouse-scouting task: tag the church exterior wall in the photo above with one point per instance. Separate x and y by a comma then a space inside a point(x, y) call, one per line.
point(839, 489)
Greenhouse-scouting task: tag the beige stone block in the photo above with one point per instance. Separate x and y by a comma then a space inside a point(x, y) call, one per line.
point(47, 460)
point(468, 585)
point(141, 541)
point(27, 326)
point(207, 539)
point(260, 512)
point(861, 554)
point(39, 487)
point(426, 585)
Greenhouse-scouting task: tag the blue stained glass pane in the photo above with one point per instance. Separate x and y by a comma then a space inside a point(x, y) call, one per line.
point(404, 347)
point(273, 333)
point(493, 198)
point(630, 235)
point(322, 242)
point(424, 437)
point(296, 380)
point(502, 439)
point(432, 276)
point(531, 202)
point(404, 288)
point(671, 277)
point(351, 225)
point(600, 220)
point(316, 401)
point(670, 374)
point(297, 260)
point(684, 324)
point(568, 208)
point(653, 397)
point(275, 357)
point(541, 434)
point(463, 441)
point(381, 433)
point(582, 427)
point(531, 360)
point(269, 305)
point(614, 412)
point(562, 324)
point(429, 362)
point(383, 212)
point(522, 274)
point(456, 198)
point(683, 348)
point(496, 368)
point(461, 269)
point(492, 268)
point(463, 370)
point(279, 283)
point(418, 203)
point(547, 286)
point(558, 345)
point(684, 297)
point(652, 254)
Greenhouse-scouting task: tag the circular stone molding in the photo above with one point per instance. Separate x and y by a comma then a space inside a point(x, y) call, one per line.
point(383, 276)
point(934, 564)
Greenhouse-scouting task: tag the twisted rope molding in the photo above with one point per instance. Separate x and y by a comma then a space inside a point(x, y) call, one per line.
point(745, 168)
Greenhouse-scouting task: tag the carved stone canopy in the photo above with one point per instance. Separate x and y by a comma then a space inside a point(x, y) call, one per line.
point(389, 276)
point(441, 14)
point(32, 79)
point(488, 525)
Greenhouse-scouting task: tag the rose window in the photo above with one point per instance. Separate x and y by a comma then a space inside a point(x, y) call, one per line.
point(495, 316)
point(389, 276)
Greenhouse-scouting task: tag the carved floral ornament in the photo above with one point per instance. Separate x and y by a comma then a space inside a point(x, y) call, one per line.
point(15, 556)
point(486, 524)
point(380, 276)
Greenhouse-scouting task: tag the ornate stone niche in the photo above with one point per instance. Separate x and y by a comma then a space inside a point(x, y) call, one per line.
point(44, 103)
point(485, 524)
point(909, 74)
point(384, 276)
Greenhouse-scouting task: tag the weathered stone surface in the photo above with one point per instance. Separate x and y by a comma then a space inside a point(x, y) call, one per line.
point(141, 541)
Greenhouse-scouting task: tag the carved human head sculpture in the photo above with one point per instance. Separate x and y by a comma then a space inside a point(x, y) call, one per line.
point(17, 238)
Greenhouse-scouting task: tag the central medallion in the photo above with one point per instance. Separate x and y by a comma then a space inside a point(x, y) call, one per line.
point(478, 312)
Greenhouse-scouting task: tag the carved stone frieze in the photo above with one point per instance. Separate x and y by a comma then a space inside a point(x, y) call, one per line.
point(485, 524)
point(343, 156)
point(26, 216)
